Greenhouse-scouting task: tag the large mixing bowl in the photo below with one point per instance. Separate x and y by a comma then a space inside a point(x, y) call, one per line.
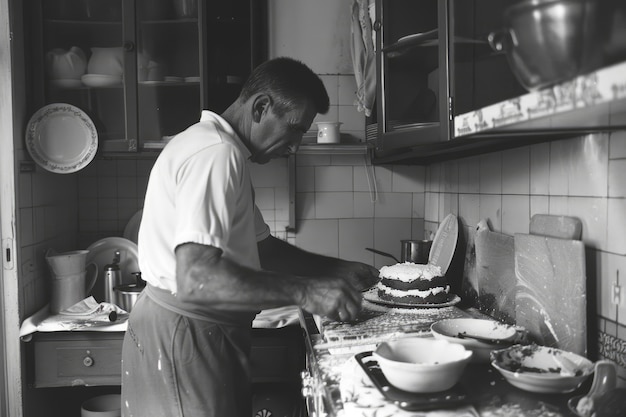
point(550, 41)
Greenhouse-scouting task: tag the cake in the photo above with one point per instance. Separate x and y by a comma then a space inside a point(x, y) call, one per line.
point(411, 283)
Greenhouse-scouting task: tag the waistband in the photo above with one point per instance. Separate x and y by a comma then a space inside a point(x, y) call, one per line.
point(197, 311)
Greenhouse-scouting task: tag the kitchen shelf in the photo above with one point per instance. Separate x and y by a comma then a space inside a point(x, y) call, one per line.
point(333, 149)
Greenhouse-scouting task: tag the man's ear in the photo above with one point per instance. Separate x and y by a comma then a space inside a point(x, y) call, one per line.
point(260, 106)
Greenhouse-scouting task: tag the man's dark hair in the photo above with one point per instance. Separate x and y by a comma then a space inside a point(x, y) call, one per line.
point(288, 82)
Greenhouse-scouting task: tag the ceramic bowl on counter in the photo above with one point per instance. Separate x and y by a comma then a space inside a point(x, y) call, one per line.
point(481, 336)
point(542, 369)
point(423, 365)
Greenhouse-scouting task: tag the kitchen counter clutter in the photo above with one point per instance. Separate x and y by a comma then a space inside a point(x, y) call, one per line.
point(336, 384)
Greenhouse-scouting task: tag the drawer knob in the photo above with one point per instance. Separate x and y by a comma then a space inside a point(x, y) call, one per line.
point(88, 361)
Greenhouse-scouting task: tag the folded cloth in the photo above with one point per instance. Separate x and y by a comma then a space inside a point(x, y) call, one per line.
point(363, 56)
point(274, 318)
point(361, 398)
point(87, 314)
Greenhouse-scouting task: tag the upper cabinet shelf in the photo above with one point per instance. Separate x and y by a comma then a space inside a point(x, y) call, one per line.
point(444, 93)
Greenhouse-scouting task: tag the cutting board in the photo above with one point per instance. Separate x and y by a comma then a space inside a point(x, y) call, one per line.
point(550, 299)
point(495, 273)
point(565, 227)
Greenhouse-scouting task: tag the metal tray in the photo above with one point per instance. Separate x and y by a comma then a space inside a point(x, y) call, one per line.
point(411, 401)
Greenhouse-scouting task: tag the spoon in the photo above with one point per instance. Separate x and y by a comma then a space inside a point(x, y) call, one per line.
point(383, 253)
point(484, 339)
point(604, 380)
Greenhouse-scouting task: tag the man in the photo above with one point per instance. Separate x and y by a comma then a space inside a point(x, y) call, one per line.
point(210, 261)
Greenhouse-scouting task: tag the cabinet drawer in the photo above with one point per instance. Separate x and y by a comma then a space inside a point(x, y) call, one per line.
point(81, 360)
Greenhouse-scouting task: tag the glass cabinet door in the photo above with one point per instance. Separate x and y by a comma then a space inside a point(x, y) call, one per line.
point(134, 66)
point(168, 68)
point(82, 57)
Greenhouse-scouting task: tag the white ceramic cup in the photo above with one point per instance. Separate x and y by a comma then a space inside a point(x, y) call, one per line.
point(328, 132)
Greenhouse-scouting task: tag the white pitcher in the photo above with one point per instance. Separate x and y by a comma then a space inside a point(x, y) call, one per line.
point(72, 278)
point(66, 65)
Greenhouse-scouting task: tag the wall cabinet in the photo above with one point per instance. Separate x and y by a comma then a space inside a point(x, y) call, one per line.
point(142, 70)
point(434, 64)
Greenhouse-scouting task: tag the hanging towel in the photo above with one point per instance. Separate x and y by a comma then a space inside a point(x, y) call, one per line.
point(363, 56)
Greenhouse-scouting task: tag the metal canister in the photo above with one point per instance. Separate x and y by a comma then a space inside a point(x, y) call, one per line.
point(112, 278)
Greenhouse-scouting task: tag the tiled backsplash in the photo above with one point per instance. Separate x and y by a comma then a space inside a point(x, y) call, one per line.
point(344, 205)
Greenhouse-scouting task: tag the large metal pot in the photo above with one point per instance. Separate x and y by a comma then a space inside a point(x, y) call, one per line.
point(550, 41)
point(126, 295)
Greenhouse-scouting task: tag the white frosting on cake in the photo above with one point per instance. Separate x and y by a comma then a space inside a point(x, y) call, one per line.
point(408, 271)
point(412, 293)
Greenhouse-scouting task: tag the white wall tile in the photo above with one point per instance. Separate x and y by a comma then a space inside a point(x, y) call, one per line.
point(363, 205)
point(448, 203)
point(305, 178)
point(383, 178)
point(515, 214)
point(539, 204)
point(419, 205)
point(432, 207)
point(491, 173)
point(450, 177)
point(332, 87)
point(617, 178)
point(334, 205)
point(617, 230)
point(319, 236)
point(469, 176)
point(264, 198)
point(408, 178)
point(593, 214)
point(346, 89)
point(334, 178)
point(516, 171)
point(305, 206)
point(387, 236)
point(469, 209)
point(540, 169)
point(588, 166)
point(354, 236)
point(490, 208)
point(352, 120)
point(617, 144)
point(560, 157)
point(394, 205)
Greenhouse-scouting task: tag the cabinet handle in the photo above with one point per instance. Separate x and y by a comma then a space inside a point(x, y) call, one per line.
point(129, 46)
point(88, 361)
point(377, 25)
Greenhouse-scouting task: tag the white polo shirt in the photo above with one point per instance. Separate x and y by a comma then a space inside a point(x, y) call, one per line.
point(199, 191)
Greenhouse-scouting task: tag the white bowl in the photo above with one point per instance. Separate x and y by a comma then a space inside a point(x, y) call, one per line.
point(542, 369)
point(102, 406)
point(417, 364)
point(449, 329)
point(101, 80)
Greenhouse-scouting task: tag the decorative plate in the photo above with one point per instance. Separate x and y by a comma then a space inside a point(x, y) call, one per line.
point(372, 296)
point(61, 138)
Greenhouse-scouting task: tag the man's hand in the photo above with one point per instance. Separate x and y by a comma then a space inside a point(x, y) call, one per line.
point(359, 275)
point(331, 297)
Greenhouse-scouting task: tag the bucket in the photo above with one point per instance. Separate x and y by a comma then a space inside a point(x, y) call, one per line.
point(102, 406)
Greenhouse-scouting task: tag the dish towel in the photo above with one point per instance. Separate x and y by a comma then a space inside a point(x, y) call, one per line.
point(363, 56)
point(362, 399)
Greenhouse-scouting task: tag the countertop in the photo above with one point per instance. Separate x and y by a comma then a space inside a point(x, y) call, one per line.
point(336, 385)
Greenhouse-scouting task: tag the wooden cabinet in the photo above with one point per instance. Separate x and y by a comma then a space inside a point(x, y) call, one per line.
point(150, 66)
point(64, 359)
point(435, 69)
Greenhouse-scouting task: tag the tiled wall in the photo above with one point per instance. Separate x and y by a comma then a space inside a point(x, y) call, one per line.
point(582, 177)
